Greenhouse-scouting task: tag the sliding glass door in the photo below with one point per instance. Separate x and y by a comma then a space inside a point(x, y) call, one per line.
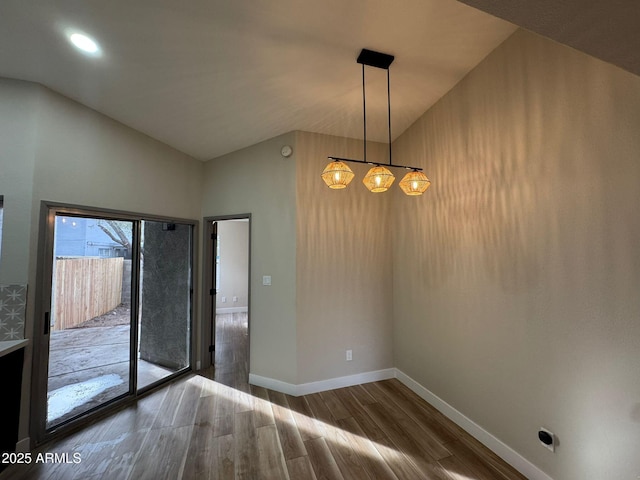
point(116, 310)
point(165, 300)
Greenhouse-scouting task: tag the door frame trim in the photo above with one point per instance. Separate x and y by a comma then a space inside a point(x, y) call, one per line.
point(206, 305)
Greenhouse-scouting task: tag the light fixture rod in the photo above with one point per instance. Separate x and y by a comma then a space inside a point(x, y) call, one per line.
point(364, 114)
point(371, 58)
point(389, 113)
point(377, 164)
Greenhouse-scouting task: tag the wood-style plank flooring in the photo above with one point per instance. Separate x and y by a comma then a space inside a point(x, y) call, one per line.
point(201, 428)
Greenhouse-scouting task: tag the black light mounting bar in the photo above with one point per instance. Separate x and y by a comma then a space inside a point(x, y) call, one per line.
point(376, 164)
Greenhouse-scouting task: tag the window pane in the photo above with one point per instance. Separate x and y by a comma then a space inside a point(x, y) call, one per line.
point(90, 330)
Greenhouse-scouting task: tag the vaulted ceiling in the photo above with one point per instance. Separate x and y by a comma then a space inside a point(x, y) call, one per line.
point(606, 29)
point(210, 76)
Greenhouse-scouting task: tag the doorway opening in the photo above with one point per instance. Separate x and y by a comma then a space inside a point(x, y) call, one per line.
point(228, 305)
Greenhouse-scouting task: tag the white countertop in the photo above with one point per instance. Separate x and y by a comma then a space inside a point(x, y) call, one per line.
point(8, 346)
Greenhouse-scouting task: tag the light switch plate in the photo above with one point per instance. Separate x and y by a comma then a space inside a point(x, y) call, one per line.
point(266, 280)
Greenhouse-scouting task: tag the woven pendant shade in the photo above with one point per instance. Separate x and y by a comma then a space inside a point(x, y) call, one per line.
point(414, 183)
point(378, 179)
point(337, 175)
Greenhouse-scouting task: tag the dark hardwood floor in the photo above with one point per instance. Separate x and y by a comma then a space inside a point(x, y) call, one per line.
point(214, 425)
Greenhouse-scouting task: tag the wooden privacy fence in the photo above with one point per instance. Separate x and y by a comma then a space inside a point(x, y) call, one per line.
point(85, 288)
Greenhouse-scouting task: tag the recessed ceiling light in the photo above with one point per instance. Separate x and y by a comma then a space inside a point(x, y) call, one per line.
point(84, 43)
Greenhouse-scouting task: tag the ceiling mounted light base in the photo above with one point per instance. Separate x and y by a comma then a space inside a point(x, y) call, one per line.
point(375, 59)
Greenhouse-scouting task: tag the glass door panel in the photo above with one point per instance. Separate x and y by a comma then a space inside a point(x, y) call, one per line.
point(165, 300)
point(90, 317)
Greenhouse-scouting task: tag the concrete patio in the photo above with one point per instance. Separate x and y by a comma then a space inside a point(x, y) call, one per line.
point(89, 366)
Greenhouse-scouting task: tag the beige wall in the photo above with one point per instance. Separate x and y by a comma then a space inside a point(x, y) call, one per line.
point(258, 180)
point(328, 253)
point(18, 104)
point(55, 149)
point(86, 158)
point(516, 276)
point(233, 236)
point(343, 265)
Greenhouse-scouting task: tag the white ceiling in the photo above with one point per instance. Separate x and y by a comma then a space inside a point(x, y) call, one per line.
point(209, 76)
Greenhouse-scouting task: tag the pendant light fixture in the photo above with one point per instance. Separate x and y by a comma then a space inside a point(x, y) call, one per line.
point(337, 175)
point(379, 178)
point(414, 183)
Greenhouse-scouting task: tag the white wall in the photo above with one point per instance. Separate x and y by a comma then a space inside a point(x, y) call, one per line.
point(233, 238)
point(258, 180)
point(516, 276)
point(57, 150)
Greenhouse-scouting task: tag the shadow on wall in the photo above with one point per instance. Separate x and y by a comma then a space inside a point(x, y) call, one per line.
point(495, 182)
point(343, 262)
point(344, 234)
point(482, 198)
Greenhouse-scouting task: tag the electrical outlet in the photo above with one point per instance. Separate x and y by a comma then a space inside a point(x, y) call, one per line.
point(235, 299)
point(349, 355)
point(223, 299)
point(547, 439)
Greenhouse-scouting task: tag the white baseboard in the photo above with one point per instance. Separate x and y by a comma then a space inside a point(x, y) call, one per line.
point(501, 449)
point(494, 444)
point(272, 384)
point(24, 445)
point(348, 381)
point(232, 310)
point(322, 385)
